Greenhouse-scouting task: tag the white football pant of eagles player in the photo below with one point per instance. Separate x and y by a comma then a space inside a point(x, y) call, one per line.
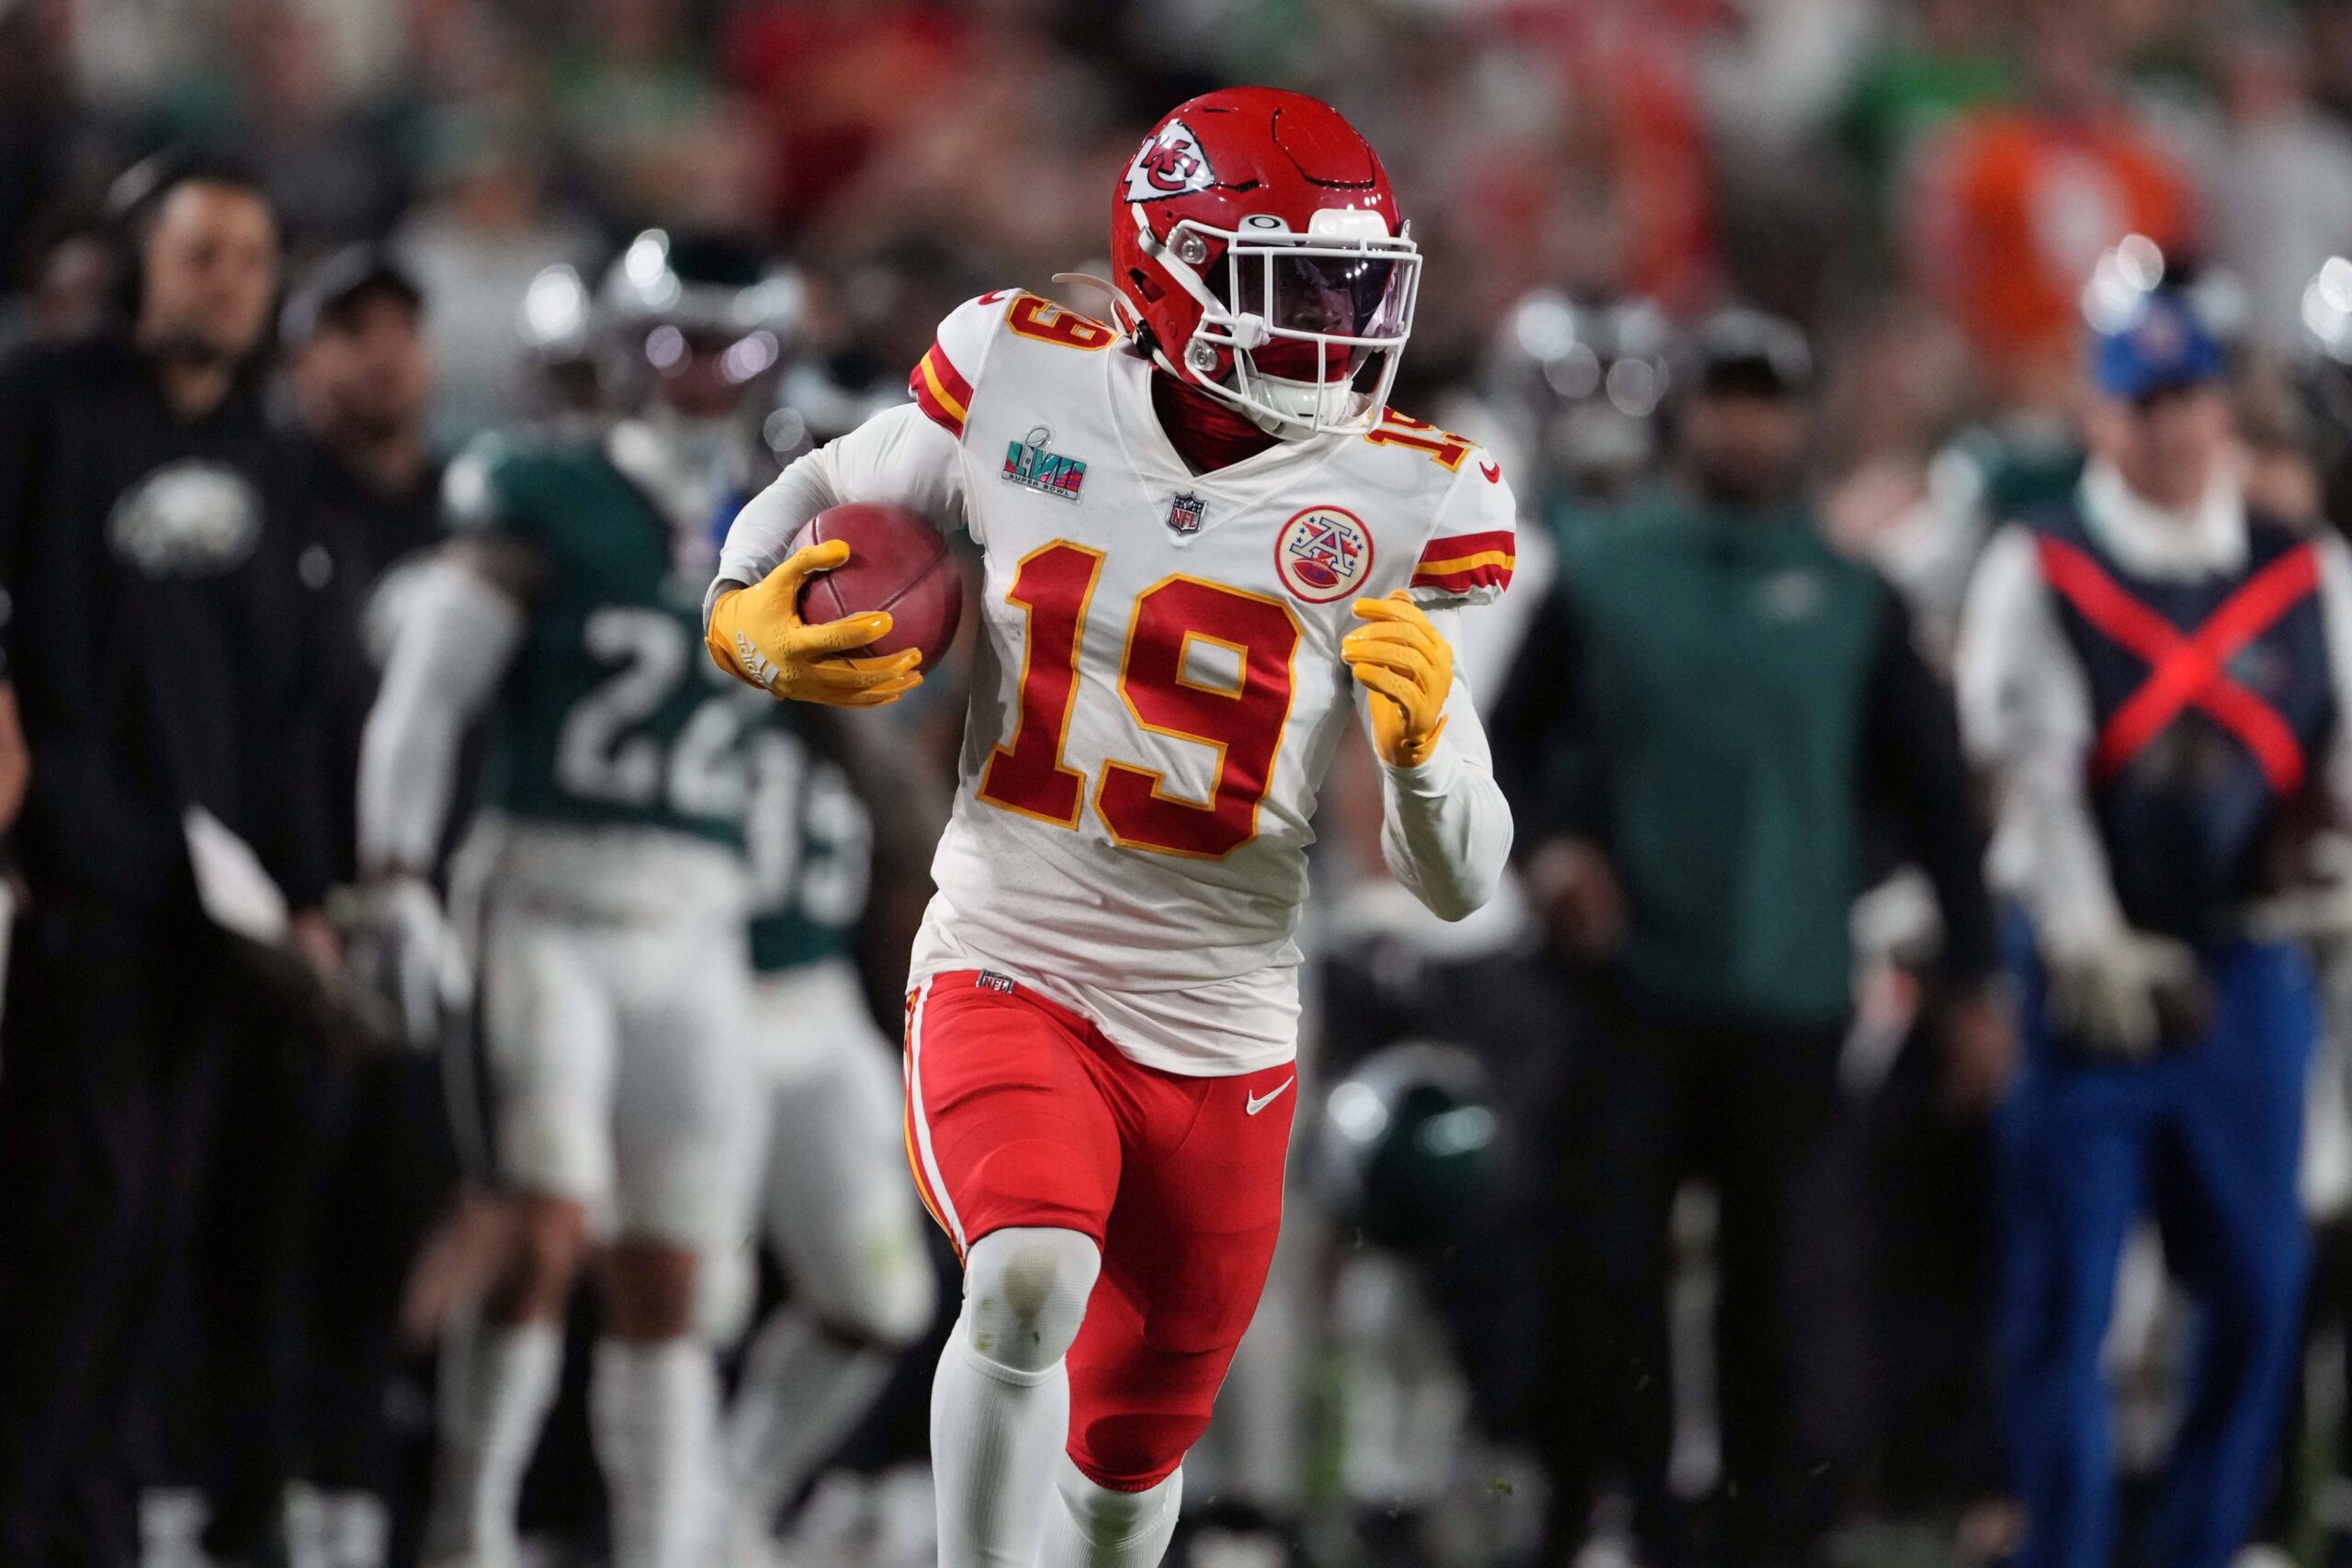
point(828, 1174)
point(613, 955)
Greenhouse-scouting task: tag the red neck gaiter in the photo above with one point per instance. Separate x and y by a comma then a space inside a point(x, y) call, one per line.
point(1206, 433)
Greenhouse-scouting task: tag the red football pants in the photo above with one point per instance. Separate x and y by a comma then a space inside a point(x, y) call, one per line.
point(1020, 1113)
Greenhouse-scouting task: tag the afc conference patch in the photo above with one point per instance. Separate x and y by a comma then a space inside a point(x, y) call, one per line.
point(1323, 553)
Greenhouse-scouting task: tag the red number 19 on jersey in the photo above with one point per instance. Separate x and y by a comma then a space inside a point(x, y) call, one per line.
point(1242, 717)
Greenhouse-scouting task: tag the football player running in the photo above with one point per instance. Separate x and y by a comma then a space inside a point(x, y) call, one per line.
point(1209, 548)
point(613, 888)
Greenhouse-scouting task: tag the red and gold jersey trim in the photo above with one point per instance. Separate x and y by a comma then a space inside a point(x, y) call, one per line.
point(943, 394)
point(1462, 562)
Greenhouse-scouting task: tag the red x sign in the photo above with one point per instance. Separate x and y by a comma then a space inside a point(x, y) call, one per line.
point(2187, 671)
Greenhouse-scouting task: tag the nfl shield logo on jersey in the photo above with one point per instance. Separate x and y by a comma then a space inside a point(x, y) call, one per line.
point(1184, 513)
point(1323, 553)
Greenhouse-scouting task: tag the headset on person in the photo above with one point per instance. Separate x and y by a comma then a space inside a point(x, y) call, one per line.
point(138, 193)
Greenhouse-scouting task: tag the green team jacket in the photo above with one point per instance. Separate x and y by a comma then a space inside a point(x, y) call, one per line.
point(1717, 698)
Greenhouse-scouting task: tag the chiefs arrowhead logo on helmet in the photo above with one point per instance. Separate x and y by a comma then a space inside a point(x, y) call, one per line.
point(1168, 164)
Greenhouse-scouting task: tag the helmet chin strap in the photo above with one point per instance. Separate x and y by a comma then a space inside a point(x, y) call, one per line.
point(1325, 403)
point(1190, 281)
point(1279, 429)
point(1319, 403)
point(1299, 399)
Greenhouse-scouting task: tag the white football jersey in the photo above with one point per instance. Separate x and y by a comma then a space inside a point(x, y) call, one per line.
point(1159, 689)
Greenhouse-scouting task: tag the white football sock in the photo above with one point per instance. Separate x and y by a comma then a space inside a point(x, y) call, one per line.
point(651, 1409)
point(1097, 1528)
point(999, 1408)
point(497, 1382)
point(802, 1391)
point(354, 1529)
point(995, 1434)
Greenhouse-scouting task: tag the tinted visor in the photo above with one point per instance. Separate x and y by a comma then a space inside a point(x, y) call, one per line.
point(1331, 296)
point(1307, 295)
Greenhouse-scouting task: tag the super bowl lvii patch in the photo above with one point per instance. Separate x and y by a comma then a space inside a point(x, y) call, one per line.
point(1026, 462)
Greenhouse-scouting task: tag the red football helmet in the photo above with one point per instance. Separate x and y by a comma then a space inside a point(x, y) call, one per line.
point(1259, 256)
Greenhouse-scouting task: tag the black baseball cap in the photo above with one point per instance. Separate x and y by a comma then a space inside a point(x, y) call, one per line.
point(336, 282)
point(135, 194)
point(1740, 350)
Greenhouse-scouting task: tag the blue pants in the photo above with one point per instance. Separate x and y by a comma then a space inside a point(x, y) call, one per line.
point(2210, 1137)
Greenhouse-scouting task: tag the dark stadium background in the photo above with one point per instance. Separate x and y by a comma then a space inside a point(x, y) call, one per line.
point(1932, 190)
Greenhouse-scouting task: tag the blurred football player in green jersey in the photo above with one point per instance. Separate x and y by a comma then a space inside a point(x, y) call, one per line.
point(608, 868)
point(831, 1182)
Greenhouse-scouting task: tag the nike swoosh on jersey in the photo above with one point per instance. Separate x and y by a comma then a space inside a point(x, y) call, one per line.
point(1257, 1102)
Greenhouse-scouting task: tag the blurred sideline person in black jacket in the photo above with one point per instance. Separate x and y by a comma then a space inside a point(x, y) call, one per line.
point(162, 653)
point(362, 379)
point(308, 1232)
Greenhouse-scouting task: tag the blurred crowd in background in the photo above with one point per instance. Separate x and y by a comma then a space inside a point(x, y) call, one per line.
point(1866, 169)
point(1933, 200)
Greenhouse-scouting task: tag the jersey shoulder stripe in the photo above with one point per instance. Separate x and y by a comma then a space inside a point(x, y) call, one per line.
point(1460, 563)
point(944, 379)
point(1471, 547)
point(941, 391)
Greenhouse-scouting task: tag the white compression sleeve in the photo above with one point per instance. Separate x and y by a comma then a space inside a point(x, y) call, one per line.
point(2025, 713)
point(1097, 1528)
point(457, 635)
point(652, 1409)
point(498, 1383)
point(1445, 829)
point(898, 457)
point(2335, 606)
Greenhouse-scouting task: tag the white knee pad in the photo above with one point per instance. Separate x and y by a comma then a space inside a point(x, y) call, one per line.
point(727, 1286)
point(1025, 1294)
point(890, 1301)
point(672, 1189)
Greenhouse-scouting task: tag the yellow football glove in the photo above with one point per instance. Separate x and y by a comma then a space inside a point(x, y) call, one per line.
point(1407, 668)
point(757, 635)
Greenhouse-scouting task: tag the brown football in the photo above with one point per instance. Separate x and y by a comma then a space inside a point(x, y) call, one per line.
point(897, 562)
